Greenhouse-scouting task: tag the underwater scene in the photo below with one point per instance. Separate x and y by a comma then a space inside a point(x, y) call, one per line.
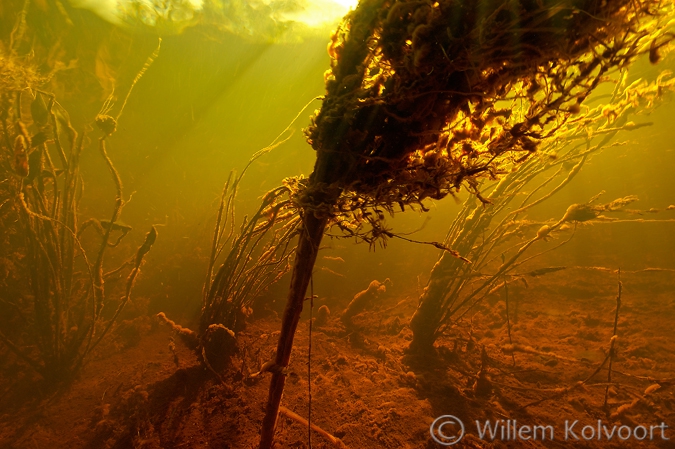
point(332, 223)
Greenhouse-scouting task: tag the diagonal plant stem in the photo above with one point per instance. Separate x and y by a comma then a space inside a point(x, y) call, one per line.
point(307, 249)
point(612, 353)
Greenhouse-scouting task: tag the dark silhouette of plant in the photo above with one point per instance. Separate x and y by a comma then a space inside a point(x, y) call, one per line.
point(60, 308)
point(417, 105)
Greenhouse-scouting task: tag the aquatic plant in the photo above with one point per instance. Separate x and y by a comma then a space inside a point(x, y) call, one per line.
point(416, 107)
point(62, 310)
point(250, 258)
point(484, 233)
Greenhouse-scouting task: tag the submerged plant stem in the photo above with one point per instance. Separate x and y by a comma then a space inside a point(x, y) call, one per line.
point(308, 247)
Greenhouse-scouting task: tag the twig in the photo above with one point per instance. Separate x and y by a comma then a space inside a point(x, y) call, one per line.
point(563, 391)
point(297, 418)
point(662, 382)
point(508, 318)
point(510, 349)
point(309, 364)
point(119, 203)
point(611, 346)
point(572, 173)
point(145, 67)
point(150, 238)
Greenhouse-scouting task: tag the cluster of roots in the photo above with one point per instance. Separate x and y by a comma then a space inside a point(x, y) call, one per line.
point(424, 97)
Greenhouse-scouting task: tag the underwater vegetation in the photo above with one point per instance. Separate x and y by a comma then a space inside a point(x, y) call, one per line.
point(249, 260)
point(413, 110)
point(499, 105)
point(60, 299)
point(472, 234)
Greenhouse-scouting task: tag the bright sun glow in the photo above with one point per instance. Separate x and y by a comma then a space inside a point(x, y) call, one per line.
point(318, 13)
point(153, 13)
